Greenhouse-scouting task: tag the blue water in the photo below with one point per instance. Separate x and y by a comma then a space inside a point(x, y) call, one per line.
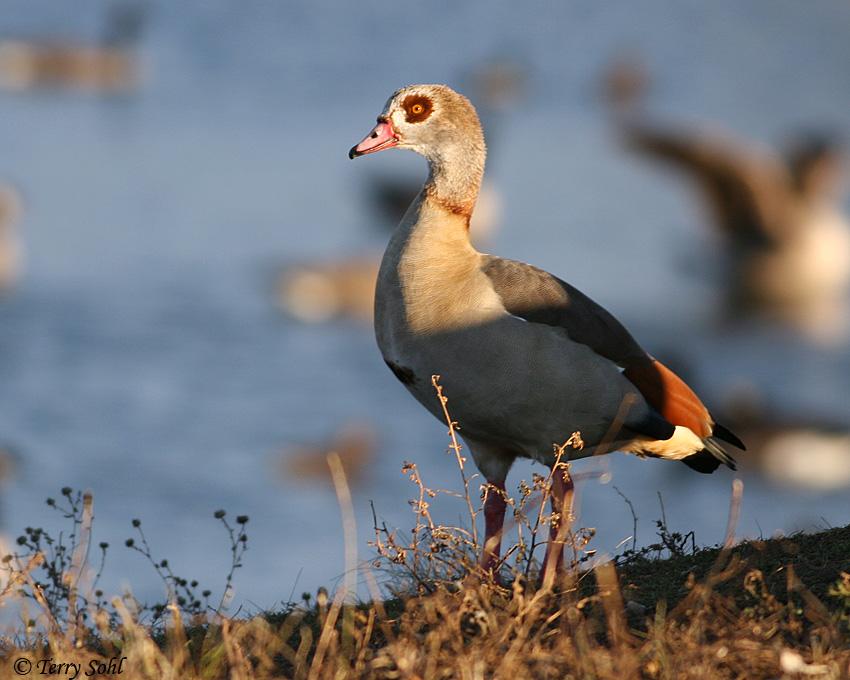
point(143, 355)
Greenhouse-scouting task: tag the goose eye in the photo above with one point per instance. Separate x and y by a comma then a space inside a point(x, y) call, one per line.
point(417, 108)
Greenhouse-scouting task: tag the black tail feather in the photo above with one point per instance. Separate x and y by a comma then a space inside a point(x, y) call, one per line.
point(722, 433)
point(702, 462)
point(709, 459)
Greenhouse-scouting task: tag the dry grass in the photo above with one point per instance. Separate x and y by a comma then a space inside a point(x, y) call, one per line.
point(735, 621)
point(764, 609)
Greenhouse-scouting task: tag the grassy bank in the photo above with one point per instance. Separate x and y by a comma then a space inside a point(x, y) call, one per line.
point(776, 608)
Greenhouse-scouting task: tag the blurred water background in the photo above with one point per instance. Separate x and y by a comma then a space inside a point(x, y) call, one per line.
point(143, 355)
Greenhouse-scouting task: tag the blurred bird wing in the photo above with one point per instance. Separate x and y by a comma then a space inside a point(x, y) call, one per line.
point(748, 186)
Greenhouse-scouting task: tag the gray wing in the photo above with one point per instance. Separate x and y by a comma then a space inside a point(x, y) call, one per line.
point(535, 295)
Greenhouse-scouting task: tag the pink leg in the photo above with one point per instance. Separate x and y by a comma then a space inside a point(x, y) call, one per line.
point(494, 520)
point(562, 504)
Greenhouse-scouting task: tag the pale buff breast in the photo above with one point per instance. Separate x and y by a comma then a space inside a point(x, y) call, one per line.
point(442, 284)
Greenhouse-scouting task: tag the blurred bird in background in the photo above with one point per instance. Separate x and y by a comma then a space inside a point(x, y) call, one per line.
point(354, 443)
point(111, 64)
point(11, 246)
point(779, 213)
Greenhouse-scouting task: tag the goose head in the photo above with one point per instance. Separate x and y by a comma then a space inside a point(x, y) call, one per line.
point(441, 125)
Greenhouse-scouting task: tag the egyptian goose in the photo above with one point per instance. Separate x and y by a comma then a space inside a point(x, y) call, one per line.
point(787, 239)
point(525, 360)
